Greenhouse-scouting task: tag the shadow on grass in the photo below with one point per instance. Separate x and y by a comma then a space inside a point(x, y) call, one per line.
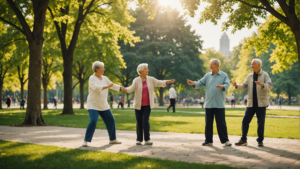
point(55, 157)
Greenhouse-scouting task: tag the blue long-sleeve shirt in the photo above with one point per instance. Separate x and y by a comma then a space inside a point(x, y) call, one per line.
point(215, 97)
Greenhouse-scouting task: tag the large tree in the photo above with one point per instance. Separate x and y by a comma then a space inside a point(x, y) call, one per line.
point(168, 45)
point(28, 17)
point(106, 16)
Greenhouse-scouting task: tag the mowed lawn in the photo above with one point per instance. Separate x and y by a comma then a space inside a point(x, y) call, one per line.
point(162, 121)
point(26, 155)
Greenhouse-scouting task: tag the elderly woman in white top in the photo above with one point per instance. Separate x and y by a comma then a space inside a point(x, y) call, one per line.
point(97, 104)
point(144, 100)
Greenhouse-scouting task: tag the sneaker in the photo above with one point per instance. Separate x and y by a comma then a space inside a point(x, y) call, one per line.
point(84, 144)
point(260, 144)
point(228, 143)
point(168, 110)
point(241, 143)
point(138, 143)
point(149, 142)
point(207, 144)
point(115, 142)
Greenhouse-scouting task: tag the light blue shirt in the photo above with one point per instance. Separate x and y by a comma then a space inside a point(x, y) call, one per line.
point(215, 97)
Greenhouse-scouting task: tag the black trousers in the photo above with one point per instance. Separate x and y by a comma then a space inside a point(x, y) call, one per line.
point(210, 113)
point(142, 123)
point(172, 104)
point(261, 115)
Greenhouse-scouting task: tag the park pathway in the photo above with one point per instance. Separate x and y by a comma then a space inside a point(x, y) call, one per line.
point(277, 153)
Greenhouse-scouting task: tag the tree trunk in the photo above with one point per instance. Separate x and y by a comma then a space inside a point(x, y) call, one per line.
point(68, 87)
point(81, 83)
point(45, 96)
point(1, 86)
point(33, 111)
point(161, 96)
point(22, 90)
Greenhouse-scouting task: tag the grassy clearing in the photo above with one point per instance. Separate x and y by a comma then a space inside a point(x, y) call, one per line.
point(25, 155)
point(161, 121)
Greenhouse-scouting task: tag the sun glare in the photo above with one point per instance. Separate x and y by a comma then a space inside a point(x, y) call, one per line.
point(166, 2)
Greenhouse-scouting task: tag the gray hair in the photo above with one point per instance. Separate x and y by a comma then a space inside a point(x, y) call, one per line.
point(216, 62)
point(141, 67)
point(257, 61)
point(172, 85)
point(97, 65)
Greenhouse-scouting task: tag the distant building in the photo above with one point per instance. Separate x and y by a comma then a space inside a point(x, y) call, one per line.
point(224, 46)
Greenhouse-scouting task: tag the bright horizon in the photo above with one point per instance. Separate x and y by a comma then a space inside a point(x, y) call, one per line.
point(210, 33)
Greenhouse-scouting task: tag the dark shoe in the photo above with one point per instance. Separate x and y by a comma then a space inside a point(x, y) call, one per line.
point(241, 143)
point(260, 144)
point(168, 110)
point(207, 144)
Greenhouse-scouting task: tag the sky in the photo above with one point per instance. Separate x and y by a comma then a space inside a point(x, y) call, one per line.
point(210, 33)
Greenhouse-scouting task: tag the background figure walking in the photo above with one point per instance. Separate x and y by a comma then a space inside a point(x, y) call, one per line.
point(111, 100)
point(8, 102)
point(202, 100)
point(22, 103)
point(280, 101)
point(172, 94)
point(232, 99)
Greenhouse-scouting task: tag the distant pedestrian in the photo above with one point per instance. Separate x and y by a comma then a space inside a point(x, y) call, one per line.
point(172, 94)
point(280, 101)
point(8, 102)
point(232, 99)
point(55, 102)
point(111, 100)
point(245, 99)
point(22, 103)
point(120, 101)
point(202, 101)
point(123, 102)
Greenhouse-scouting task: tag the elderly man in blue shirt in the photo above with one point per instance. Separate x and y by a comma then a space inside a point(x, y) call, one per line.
point(217, 83)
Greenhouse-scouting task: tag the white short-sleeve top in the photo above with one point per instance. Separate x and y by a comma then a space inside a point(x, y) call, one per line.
point(97, 98)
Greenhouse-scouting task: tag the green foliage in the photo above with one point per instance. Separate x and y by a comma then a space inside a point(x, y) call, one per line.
point(274, 31)
point(169, 47)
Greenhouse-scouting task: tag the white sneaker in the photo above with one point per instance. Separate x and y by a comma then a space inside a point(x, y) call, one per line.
point(84, 144)
point(138, 143)
point(115, 142)
point(227, 143)
point(149, 142)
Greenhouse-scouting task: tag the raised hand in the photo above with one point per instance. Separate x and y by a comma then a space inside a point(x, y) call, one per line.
point(219, 87)
point(171, 81)
point(109, 86)
point(189, 82)
point(257, 82)
point(234, 84)
point(123, 89)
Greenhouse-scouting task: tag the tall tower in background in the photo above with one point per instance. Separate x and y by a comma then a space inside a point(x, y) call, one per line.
point(224, 46)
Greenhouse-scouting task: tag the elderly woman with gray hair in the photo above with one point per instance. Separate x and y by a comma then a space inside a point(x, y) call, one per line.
point(97, 104)
point(144, 101)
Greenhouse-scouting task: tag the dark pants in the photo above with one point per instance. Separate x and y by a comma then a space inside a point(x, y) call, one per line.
point(172, 104)
point(120, 104)
point(142, 123)
point(261, 115)
point(221, 124)
point(108, 119)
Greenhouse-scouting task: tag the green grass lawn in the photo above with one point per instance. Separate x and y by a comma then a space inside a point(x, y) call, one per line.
point(161, 121)
point(238, 111)
point(25, 155)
